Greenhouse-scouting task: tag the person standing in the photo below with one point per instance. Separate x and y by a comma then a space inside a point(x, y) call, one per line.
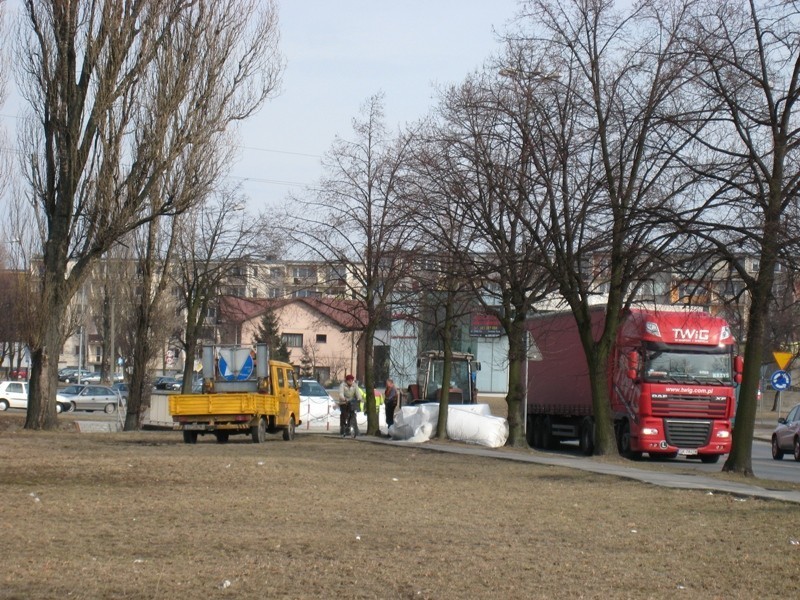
point(391, 398)
point(350, 398)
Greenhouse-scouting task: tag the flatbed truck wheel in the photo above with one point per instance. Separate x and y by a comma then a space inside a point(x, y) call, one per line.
point(259, 431)
point(189, 437)
point(709, 458)
point(288, 433)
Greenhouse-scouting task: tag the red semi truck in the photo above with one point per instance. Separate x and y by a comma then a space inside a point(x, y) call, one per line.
point(672, 378)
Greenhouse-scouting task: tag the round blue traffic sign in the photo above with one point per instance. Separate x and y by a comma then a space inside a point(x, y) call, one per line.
point(781, 380)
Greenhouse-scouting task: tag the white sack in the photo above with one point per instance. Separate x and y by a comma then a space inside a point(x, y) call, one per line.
point(476, 428)
point(472, 423)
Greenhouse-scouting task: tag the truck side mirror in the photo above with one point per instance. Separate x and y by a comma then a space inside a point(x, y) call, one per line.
point(633, 364)
point(738, 368)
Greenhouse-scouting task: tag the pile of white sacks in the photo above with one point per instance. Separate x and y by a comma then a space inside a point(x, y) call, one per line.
point(471, 423)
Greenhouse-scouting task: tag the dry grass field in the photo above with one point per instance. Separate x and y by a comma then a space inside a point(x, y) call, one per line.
point(142, 515)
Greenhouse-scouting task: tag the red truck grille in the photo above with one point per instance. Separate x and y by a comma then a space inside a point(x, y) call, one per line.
point(687, 434)
point(689, 407)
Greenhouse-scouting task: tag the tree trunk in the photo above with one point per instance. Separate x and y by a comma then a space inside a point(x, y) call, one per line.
point(140, 388)
point(517, 394)
point(44, 381)
point(48, 341)
point(373, 427)
point(740, 458)
point(447, 367)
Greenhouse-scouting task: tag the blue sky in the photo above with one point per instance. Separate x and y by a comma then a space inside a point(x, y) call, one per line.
point(338, 54)
point(341, 53)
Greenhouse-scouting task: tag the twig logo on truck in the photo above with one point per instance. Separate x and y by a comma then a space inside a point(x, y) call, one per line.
point(691, 335)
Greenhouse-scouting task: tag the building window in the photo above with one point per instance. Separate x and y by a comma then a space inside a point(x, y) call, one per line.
point(292, 340)
point(276, 292)
point(304, 272)
point(254, 292)
point(322, 338)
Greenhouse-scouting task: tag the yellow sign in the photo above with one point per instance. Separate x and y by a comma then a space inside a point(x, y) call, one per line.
point(782, 358)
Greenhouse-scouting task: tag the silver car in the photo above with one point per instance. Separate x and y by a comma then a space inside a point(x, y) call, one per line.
point(90, 398)
point(786, 437)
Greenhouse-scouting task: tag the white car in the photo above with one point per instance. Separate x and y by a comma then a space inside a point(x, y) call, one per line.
point(316, 405)
point(13, 394)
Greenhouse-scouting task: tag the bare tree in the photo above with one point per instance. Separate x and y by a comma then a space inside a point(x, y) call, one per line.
point(216, 243)
point(5, 156)
point(122, 92)
point(602, 158)
point(746, 74)
point(355, 226)
point(474, 172)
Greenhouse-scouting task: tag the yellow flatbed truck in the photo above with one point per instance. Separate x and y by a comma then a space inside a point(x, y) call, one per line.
point(243, 393)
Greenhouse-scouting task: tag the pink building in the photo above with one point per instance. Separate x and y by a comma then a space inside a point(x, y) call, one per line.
point(323, 333)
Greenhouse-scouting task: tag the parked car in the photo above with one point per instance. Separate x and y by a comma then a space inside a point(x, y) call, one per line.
point(14, 394)
point(90, 398)
point(786, 437)
point(18, 373)
point(122, 389)
point(168, 383)
point(312, 391)
point(71, 375)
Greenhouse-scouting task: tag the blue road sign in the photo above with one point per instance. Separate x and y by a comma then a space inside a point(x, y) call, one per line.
point(781, 380)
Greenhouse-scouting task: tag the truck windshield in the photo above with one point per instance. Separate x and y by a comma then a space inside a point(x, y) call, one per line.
point(459, 376)
point(676, 366)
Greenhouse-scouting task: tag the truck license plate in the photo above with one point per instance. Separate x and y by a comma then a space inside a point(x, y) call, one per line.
point(687, 452)
point(199, 426)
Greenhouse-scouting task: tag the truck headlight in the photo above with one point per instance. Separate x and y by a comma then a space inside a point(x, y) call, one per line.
point(723, 434)
point(649, 431)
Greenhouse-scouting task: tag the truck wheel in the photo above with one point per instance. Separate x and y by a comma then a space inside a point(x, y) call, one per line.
point(288, 433)
point(538, 432)
point(625, 443)
point(529, 437)
point(586, 440)
point(777, 453)
point(548, 441)
point(189, 437)
point(259, 432)
point(709, 458)
point(222, 437)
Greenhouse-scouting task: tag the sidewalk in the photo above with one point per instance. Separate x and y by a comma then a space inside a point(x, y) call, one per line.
point(661, 478)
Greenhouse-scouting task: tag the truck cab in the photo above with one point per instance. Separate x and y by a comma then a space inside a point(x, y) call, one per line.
point(430, 375)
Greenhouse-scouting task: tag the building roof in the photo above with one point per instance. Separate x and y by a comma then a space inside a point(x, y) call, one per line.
point(349, 315)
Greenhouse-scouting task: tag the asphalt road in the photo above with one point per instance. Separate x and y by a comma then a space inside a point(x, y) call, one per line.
point(764, 466)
